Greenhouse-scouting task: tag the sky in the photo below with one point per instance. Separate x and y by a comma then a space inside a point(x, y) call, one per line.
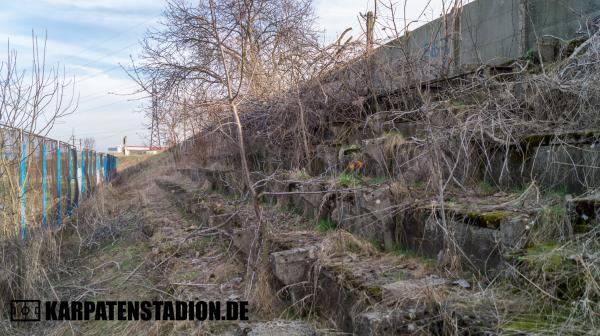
point(91, 39)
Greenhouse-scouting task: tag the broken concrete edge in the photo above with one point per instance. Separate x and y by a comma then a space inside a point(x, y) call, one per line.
point(292, 262)
point(503, 230)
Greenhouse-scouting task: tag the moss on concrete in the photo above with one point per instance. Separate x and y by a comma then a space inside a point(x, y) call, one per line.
point(490, 219)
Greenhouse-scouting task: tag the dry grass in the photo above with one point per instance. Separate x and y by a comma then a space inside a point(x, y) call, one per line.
point(130, 241)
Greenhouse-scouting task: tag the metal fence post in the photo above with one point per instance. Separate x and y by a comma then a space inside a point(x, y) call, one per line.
point(82, 169)
point(88, 159)
point(106, 156)
point(44, 185)
point(75, 179)
point(98, 179)
point(71, 198)
point(58, 183)
point(22, 168)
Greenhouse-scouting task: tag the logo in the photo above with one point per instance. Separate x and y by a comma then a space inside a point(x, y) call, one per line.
point(30, 310)
point(25, 310)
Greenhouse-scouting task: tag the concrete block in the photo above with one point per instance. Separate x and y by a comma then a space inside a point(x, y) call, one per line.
point(412, 288)
point(293, 266)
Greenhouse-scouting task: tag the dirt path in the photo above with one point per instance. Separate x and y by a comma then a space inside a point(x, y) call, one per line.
point(133, 242)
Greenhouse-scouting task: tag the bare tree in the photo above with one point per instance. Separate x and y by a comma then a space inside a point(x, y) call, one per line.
point(89, 143)
point(227, 49)
point(32, 101)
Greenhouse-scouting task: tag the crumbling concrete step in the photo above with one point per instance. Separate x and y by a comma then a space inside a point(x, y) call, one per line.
point(320, 271)
point(292, 266)
point(211, 179)
point(570, 161)
point(483, 235)
point(278, 327)
point(281, 241)
point(391, 155)
point(170, 187)
point(370, 300)
point(206, 211)
point(336, 270)
point(584, 212)
point(390, 215)
point(404, 289)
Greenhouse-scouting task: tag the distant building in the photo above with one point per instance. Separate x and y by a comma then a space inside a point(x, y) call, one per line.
point(136, 150)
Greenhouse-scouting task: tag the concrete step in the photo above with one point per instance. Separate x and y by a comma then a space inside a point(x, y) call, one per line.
point(278, 327)
point(390, 155)
point(584, 212)
point(394, 216)
point(207, 210)
point(359, 283)
point(567, 160)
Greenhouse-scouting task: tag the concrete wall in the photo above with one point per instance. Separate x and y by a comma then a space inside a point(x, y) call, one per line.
point(561, 18)
point(489, 32)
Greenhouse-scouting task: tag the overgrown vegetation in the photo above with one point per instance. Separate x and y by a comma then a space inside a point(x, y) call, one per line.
point(347, 180)
point(32, 100)
point(325, 225)
point(268, 97)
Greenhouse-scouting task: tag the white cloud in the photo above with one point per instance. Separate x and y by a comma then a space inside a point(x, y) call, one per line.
point(62, 53)
point(106, 19)
point(109, 4)
point(334, 16)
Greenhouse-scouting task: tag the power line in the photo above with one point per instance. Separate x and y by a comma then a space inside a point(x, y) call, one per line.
point(103, 106)
point(116, 35)
point(121, 88)
point(107, 132)
point(85, 78)
point(109, 54)
point(108, 94)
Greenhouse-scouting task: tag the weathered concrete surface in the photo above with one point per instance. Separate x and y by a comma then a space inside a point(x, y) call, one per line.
point(412, 288)
point(188, 202)
point(482, 32)
point(384, 122)
point(570, 162)
point(311, 202)
point(222, 180)
point(277, 327)
point(483, 235)
point(411, 162)
point(584, 212)
point(292, 266)
point(325, 159)
point(282, 241)
point(375, 156)
point(361, 283)
point(202, 206)
point(367, 213)
point(419, 231)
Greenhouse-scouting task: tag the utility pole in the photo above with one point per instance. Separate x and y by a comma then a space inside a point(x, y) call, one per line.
point(72, 140)
point(370, 31)
point(370, 25)
point(154, 132)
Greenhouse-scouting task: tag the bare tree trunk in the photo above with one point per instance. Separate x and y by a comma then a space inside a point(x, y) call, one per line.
point(245, 169)
point(303, 124)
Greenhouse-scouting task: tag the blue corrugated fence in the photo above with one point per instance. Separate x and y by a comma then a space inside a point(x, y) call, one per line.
point(47, 182)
